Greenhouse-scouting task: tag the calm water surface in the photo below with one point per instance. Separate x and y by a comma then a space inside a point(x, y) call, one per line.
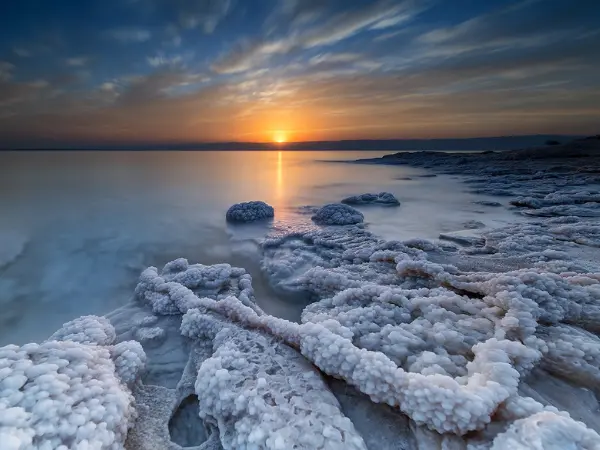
point(78, 227)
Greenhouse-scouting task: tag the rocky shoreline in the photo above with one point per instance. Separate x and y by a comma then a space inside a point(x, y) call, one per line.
point(407, 345)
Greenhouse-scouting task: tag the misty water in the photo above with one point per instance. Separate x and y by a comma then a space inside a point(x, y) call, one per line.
point(78, 228)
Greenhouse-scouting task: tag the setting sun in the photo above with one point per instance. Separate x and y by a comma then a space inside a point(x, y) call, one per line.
point(280, 137)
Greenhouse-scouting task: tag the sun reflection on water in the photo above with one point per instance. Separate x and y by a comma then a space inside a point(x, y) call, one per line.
point(280, 192)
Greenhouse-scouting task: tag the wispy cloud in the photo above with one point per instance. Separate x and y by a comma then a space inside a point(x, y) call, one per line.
point(334, 58)
point(524, 22)
point(108, 86)
point(206, 14)
point(189, 14)
point(380, 15)
point(78, 61)
point(22, 52)
point(342, 68)
point(163, 60)
point(129, 35)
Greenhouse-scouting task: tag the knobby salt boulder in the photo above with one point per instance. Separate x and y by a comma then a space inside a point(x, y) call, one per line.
point(338, 214)
point(73, 390)
point(250, 212)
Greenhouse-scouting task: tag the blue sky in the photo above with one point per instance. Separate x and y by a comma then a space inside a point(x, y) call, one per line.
point(123, 71)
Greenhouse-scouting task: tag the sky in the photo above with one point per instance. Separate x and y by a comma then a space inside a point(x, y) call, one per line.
point(181, 71)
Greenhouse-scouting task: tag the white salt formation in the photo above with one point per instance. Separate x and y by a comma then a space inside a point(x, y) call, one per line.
point(546, 431)
point(72, 391)
point(492, 345)
point(451, 369)
point(166, 295)
point(337, 214)
point(86, 330)
point(255, 391)
point(422, 320)
point(249, 212)
point(383, 198)
point(448, 349)
point(263, 394)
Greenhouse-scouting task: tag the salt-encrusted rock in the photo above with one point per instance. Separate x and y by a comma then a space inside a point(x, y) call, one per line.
point(432, 399)
point(447, 348)
point(547, 431)
point(172, 291)
point(261, 393)
point(487, 203)
point(338, 214)
point(465, 238)
point(146, 321)
point(383, 198)
point(129, 359)
point(473, 224)
point(429, 319)
point(71, 393)
point(250, 212)
point(86, 330)
point(451, 341)
point(146, 335)
point(557, 198)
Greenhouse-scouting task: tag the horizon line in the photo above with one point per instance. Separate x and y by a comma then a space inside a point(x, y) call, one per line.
point(283, 145)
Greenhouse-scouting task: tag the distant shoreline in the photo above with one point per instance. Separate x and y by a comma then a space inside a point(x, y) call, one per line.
point(498, 143)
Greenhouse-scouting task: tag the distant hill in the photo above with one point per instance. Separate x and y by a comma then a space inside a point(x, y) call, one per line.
point(466, 144)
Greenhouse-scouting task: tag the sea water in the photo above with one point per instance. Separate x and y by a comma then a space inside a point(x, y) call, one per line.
point(77, 228)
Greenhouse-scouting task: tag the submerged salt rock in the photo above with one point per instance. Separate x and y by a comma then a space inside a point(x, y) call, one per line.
point(465, 238)
point(383, 198)
point(146, 335)
point(473, 224)
point(338, 214)
point(250, 212)
point(487, 203)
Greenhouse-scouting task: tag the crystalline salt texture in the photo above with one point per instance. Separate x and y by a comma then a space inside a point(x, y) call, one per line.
point(249, 212)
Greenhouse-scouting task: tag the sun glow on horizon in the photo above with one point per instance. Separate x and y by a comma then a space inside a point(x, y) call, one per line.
point(280, 137)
